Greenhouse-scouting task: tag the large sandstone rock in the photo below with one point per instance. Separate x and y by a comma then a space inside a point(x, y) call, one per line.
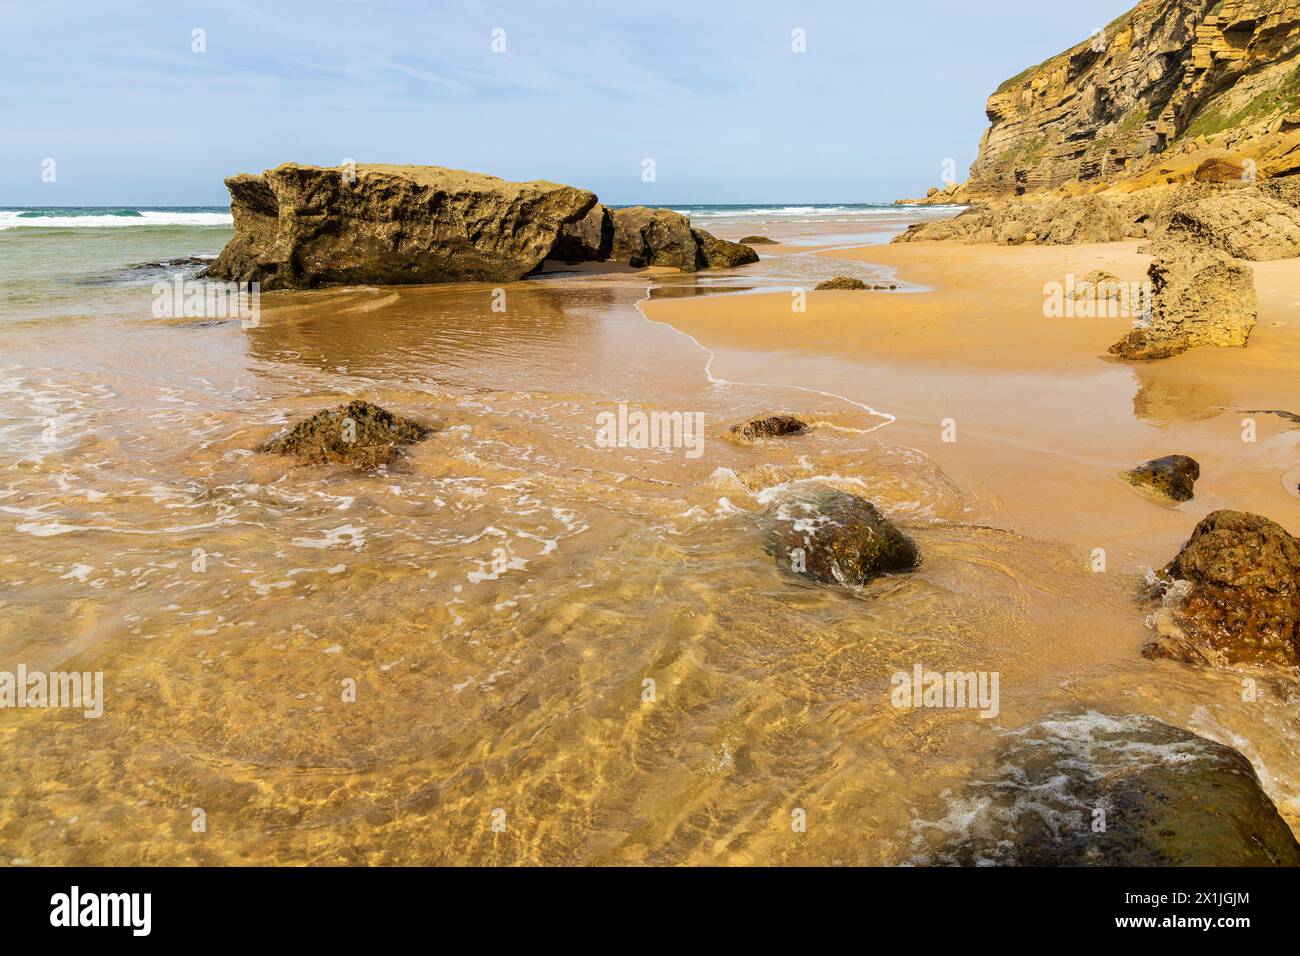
point(653, 237)
point(1232, 595)
point(1198, 297)
point(1063, 220)
point(1093, 789)
point(833, 537)
point(589, 239)
point(662, 237)
point(714, 253)
point(301, 227)
point(1246, 223)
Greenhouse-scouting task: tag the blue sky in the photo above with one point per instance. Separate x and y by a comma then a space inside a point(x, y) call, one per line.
point(712, 91)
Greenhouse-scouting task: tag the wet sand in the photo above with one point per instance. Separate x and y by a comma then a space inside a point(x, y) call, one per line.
point(501, 596)
point(1044, 418)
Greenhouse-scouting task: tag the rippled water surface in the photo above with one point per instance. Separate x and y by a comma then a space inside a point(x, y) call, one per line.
point(561, 652)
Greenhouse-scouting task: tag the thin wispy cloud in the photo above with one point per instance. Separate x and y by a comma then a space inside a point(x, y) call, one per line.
point(582, 93)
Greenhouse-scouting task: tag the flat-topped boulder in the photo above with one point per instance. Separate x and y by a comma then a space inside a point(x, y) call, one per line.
point(299, 227)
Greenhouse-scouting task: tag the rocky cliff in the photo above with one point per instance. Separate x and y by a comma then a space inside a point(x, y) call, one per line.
point(1168, 79)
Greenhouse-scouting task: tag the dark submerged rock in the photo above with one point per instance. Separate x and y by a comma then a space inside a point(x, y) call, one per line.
point(1240, 602)
point(833, 537)
point(1172, 477)
point(758, 241)
point(1169, 798)
point(358, 433)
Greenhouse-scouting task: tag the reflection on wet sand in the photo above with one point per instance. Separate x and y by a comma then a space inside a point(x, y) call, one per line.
point(515, 645)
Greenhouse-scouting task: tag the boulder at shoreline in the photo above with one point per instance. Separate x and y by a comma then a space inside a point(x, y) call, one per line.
point(1171, 477)
point(842, 283)
point(644, 236)
point(1199, 296)
point(833, 537)
point(769, 426)
point(301, 227)
point(305, 227)
point(358, 433)
point(1231, 595)
point(1093, 789)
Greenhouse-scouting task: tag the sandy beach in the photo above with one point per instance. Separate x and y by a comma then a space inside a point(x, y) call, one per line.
point(610, 439)
point(1044, 418)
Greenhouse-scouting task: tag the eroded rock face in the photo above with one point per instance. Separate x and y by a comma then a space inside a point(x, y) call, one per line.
point(1232, 595)
point(662, 237)
point(1246, 223)
point(1159, 77)
point(1051, 221)
point(833, 537)
point(1171, 477)
point(842, 283)
point(653, 237)
point(1199, 296)
point(358, 433)
point(714, 253)
point(589, 239)
point(769, 426)
point(1170, 798)
point(299, 227)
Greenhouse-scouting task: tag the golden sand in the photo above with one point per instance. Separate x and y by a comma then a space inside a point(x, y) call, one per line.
point(1044, 418)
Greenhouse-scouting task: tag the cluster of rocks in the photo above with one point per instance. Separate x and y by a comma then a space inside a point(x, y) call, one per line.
point(299, 227)
point(1244, 219)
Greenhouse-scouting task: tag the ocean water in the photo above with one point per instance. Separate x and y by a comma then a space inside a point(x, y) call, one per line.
point(589, 644)
point(66, 261)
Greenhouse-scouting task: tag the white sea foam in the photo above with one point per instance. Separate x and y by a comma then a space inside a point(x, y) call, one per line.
point(13, 219)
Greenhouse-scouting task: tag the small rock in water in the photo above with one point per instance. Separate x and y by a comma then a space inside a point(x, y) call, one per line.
point(1243, 603)
point(833, 537)
point(1169, 477)
point(1092, 789)
point(758, 241)
point(770, 426)
point(358, 433)
point(840, 282)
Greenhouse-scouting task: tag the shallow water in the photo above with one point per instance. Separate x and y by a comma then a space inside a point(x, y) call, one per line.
point(561, 652)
